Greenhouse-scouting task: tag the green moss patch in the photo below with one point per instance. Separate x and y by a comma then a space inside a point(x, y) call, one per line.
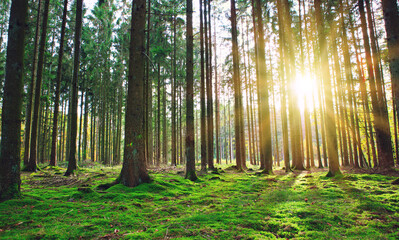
point(222, 205)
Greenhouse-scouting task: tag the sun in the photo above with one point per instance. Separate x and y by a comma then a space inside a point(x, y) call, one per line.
point(305, 89)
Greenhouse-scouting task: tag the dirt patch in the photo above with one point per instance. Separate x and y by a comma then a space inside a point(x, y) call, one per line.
point(56, 181)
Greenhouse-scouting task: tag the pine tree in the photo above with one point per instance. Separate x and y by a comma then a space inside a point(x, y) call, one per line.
point(10, 159)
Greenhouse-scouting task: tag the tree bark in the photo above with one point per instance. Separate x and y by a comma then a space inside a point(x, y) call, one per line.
point(391, 19)
point(209, 99)
point(238, 112)
point(10, 159)
point(32, 164)
point(190, 145)
point(57, 87)
point(134, 169)
point(330, 126)
point(72, 165)
point(202, 92)
point(28, 123)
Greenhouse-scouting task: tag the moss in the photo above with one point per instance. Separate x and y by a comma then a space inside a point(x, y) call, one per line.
point(13, 191)
point(247, 206)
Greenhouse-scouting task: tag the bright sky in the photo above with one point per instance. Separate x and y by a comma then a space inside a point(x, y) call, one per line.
point(90, 3)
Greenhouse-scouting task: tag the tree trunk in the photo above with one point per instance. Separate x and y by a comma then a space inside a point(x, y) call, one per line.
point(28, 123)
point(284, 118)
point(148, 123)
point(217, 120)
point(238, 116)
point(72, 165)
point(174, 134)
point(391, 19)
point(10, 180)
point(32, 164)
point(134, 169)
point(190, 145)
point(330, 126)
point(263, 95)
point(202, 92)
point(209, 99)
point(57, 87)
point(381, 120)
point(158, 160)
point(164, 125)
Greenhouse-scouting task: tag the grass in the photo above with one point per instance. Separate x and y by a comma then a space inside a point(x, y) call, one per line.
point(229, 205)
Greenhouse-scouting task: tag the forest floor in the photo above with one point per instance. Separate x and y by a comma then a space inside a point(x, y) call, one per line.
point(220, 205)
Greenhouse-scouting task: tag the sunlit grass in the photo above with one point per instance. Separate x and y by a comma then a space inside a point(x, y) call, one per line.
point(224, 205)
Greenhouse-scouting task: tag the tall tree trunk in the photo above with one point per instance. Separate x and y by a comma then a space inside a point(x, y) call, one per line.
point(365, 104)
point(174, 134)
point(340, 93)
point(80, 125)
point(10, 180)
point(391, 19)
point(230, 138)
point(209, 99)
point(284, 118)
point(330, 126)
point(28, 123)
point(247, 93)
point(158, 160)
point(164, 125)
point(349, 88)
point(148, 123)
point(202, 91)
point(293, 108)
point(263, 95)
point(32, 164)
point(238, 112)
point(57, 87)
point(72, 165)
point(381, 120)
point(217, 120)
point(85, 127)
point(134, 169)
point(190, 145)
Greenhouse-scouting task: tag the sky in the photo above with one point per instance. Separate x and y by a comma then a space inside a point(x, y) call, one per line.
point(90, 3)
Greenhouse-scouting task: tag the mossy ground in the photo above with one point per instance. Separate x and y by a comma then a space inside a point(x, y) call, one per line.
point(227, 205)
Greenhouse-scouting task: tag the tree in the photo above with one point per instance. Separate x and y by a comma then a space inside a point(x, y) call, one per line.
point(28, 124)
point(32, 163)
point(134, 169)
point(10, 159)
point(190, 144)
point(391, 19)
point(238, 112)
point(202, 92)
point(332, 145)
point(209, 99)
point(381, 121)
point(263, 96)
point(57, 87)
point(72, 165)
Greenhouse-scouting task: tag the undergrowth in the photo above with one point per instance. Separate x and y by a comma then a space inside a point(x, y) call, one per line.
point(220, 205)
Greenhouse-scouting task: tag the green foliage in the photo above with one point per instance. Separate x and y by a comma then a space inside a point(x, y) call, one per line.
point(223, 205)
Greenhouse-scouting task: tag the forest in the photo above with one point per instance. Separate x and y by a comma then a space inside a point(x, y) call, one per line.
point(222, 119)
